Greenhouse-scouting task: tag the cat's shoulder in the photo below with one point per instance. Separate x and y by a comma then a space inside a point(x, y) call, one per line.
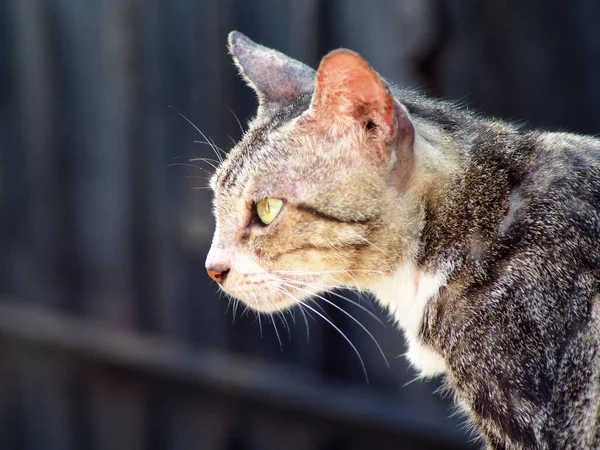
point(567, 162)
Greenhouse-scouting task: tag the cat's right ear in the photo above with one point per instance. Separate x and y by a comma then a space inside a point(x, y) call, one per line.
point(276, 78)
point(350, 94)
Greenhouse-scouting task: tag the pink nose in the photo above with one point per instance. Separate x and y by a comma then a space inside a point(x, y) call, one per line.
point(217, 274)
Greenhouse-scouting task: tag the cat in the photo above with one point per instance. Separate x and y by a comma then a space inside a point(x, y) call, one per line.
point(480, 236)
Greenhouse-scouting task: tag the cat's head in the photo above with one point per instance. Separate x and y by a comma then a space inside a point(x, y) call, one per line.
point(316, 195)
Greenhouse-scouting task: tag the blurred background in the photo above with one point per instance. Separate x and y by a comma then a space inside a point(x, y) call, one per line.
point(111, 334)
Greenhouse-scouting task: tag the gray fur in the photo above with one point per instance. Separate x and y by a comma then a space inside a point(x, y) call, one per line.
point(518, 222)
point(276, 78)
point(521, 334)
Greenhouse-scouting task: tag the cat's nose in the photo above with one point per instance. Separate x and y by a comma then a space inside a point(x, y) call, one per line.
point(217, 273)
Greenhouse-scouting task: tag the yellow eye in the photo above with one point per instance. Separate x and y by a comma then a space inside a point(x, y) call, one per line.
point(268, 209)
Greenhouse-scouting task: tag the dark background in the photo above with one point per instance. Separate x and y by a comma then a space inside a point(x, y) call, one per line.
point(111, 334)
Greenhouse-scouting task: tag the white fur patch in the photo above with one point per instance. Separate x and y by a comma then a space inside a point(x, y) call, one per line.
point(514, 203)
point(406, 294)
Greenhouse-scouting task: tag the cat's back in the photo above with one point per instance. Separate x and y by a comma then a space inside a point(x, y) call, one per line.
point(552, 226)
point(560, 193)
point(568, 159)
point(547, 269)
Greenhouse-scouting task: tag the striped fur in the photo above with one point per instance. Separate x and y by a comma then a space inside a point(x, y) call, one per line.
point(479, 236)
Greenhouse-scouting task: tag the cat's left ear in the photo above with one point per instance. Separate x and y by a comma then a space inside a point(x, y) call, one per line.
point(349, 92)
point(276, 78)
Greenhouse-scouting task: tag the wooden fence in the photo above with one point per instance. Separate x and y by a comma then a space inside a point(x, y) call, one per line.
point(111, 336)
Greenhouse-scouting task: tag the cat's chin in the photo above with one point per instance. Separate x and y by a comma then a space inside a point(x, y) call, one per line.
point(268, 303)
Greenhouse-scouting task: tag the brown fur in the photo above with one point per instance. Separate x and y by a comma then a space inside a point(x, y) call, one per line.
point(480, 238)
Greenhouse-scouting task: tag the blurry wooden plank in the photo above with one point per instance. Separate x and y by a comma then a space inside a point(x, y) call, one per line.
point(399, 33)
point(256, 20)
point(7, 391)
point(270, 385)
point(271, 431)
point(157, 267)
point(304, 32)
point(156, 264)
point(44, 403)
point(588, 47)
point(113, 192)
point(16, 420)
point(96, 38)
point(531, 73)
point(8, 178)
point(170, 216)
point(193, 55)
point(196, 423)
point(117, 414)
point(35, 268)
point(295, 32)
point(116, 409)
point(165, 33)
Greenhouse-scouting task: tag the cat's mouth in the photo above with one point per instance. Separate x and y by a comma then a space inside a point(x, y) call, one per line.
point(269, 295)
point(269, 303)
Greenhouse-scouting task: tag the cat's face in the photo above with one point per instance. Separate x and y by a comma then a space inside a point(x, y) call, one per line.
point(308, 200)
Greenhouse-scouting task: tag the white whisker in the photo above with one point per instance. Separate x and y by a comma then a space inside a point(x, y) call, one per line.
point(228, 304)
point(306, 323)
point(237, 120)
point(214, 147)
point(286, 325)
point(219, 157)
point(369, 242)
point(276, 332)
point(235, 307)
point(321, 272)
point(362, 363)
point(211, 145)
point(328, 288)
point(351, 317)
point(208, 160)
point(259, 325)
point(272, 321)
point(417, 378)
point(192, 165)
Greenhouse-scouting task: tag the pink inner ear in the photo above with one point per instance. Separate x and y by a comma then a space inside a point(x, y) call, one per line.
point(347, 86)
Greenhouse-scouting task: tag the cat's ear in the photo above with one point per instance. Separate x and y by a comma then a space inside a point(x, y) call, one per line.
point(276, 78)
point(349, 91)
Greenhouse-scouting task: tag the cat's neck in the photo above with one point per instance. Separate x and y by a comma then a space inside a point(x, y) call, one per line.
point(441, 160)
point(437, 163)
point(406, 292)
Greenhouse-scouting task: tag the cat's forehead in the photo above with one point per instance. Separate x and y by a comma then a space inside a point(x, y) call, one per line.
point(269, 142)
point(269, 165)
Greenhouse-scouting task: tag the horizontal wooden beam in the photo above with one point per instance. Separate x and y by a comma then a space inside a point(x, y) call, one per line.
point(271, 384)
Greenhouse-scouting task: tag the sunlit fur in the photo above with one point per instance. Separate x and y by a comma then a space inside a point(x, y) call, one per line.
point(478, 236)
point(342, 170)
point(304, 169)
point(328, 170)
